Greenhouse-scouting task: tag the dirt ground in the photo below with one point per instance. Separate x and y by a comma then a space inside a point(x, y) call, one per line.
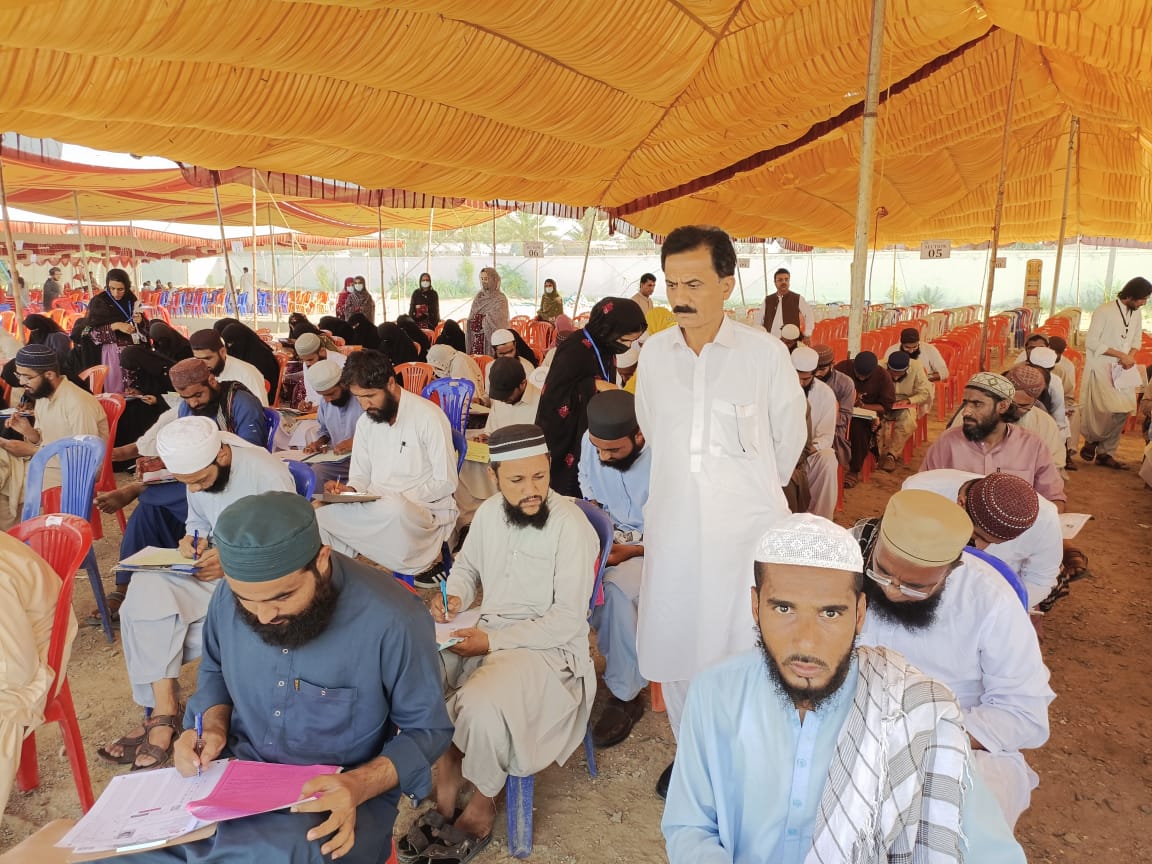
point(1095, 797)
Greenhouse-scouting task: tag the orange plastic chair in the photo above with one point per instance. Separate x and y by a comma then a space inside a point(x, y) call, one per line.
point(8, 318)
point(95, 376)
point(416, 376)
point(63, 541)
point(483, 361)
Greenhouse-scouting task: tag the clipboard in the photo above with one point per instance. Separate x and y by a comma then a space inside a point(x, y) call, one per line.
point(41, 847)
point(343, 498)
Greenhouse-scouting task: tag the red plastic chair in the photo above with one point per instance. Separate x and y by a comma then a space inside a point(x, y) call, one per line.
point(63, 541)
point(113, 405)
point(95, 376)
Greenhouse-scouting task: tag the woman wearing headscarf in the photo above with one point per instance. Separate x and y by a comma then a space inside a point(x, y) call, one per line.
point(363, 332)
point(489, 313)
point(584, 364)
point(338, 327)
point(551, 304)
point(223, 324)
point(110, 327)
point(358, 302)
point(168, 343)
point(42, 330)
point(396, 344)
point(298, 324)
point(409, 326)
point(244, 344)
point(342, 298)
point(451, 334)
point(425, 306)
point(145, 376)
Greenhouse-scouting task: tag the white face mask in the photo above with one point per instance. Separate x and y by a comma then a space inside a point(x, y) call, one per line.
point(549, 289)
point(425, 284)
point(356, 286)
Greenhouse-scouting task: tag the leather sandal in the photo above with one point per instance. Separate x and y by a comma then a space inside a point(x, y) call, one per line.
point(128, 745)
point(1088, 452)
point(452, 844)
point(1108, 462)
point(616, 721)
point(161, 755)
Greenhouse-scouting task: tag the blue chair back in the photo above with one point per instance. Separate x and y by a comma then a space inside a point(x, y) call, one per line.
point(304, 478)
point(460, 445)
point(1004, 570)
point(455, 395)
point(81, 460)
point(273, 418)
point(606, 531)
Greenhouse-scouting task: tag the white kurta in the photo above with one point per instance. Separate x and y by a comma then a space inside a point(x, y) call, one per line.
point(411, 465)
point(526, 703)
point(1121, 330)
point(823, 467)
point(310, 392)
point(1036, 555)
point(929, 358)
point(805, 315)
point(983, 646)
point(505, 414)
point(726, 429)
point(236, 369)
point(29, 590)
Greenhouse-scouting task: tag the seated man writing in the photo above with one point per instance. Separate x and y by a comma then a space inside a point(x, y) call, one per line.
point(813, 750)
point(337, 415)
point(521, 683)
point(311, 658)
point(162, 618)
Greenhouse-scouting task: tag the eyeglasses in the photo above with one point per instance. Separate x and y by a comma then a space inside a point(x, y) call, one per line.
point(24, 379)
point(888, 582)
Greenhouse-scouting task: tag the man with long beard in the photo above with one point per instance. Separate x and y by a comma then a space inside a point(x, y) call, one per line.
point(337, 414)
point(402, 453)
point(521, 682)
point(162, 618)
point(311, 658)
point(957, 619)
point(813, 750)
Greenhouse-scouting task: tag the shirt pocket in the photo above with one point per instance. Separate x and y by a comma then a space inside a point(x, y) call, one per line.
point(321, 721)
point(734, 430)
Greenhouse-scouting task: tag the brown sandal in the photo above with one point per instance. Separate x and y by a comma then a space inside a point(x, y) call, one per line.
point(1108, 462)
point(128, 745)
point(161, 755)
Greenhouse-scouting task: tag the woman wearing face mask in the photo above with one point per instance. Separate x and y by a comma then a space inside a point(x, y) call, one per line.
point(584, 364)
point(425, 306)
point(358, 301)
point(110, 327)
point(551, 305)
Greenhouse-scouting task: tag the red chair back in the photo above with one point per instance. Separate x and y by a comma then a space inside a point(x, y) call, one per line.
point(417, 376)
point(95, 376)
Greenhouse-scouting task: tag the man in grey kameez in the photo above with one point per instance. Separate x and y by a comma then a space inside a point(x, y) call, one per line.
point(521, 683)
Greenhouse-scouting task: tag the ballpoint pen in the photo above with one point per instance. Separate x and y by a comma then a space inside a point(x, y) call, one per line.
point(199, 748)
point(195, 544)
point(444, 594)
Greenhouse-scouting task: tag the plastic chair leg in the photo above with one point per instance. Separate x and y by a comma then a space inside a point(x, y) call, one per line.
point(518, 794)
point(656, 696)
point(64, 713)
point(590, 754)
point(28, 774)
point(98, 591)
point(123, 522)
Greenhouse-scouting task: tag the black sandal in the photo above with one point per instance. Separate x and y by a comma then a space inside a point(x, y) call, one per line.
point(421, 834)
point(1108, 462)
point(1088, 451)
point(454, 845)
point(161, 755)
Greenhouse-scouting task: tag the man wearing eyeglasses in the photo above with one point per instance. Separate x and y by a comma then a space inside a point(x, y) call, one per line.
point(62, 409)
point(956, 619)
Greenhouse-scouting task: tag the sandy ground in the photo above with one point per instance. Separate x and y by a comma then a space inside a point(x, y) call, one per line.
point(1095, 796)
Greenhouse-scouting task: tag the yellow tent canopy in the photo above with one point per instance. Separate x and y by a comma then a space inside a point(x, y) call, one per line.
point(736, 112)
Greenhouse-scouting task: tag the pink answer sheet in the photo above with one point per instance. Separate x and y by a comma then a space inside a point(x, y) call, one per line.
point(248, 788)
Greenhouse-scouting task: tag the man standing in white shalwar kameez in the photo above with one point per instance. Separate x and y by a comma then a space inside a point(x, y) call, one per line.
point(162, 618)
point(402, 452)
point(724, 414)
point(28, 595)
point(521, 682)
point(1113, 338)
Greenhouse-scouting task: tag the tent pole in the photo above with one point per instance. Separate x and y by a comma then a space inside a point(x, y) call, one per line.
point(493, 238)
point(864, 193)
point(275, 287)
point(584, 269)
point(764, 261)
point(17, 303)
point(999, 202)
point(740, 282)
point(224, 247)
point(255, 293)
point(1073, 126)
point(428, 256)
point(380, 256)
point(135, 260)
point(80, 233)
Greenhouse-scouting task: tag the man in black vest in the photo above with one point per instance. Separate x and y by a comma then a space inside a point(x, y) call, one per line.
point(784, 307)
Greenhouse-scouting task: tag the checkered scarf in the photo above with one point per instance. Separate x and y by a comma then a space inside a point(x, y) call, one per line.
point(895, 787)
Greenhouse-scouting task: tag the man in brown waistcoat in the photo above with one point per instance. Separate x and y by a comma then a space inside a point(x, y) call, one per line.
point(784, 307)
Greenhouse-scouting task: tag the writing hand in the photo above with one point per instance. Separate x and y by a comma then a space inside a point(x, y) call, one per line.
point(314, 447)
point(475, 642)
point(343, 447)
point(208, 567)
point(184, 755)
point(338, 795)
point(335, 487)
point(436, 607)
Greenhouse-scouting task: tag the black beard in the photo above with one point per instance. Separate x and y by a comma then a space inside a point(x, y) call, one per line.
point(223, 472)
point(978, 431)
point(520, 519)
point(387, 413)
point(624, 462)
point(807, 388)
point(342, 400)
point(42, 392)
point(825, 376)
point(915, 355)
point(912, 616)
point(208, 409)
point(300, 629)
point(810, 698)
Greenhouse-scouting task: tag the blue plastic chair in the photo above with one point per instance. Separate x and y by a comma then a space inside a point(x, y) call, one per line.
point(81, 460)
point(273, 418)
point(1004, 570)
point(304, 478)
point(519, 791)
point(455, 395)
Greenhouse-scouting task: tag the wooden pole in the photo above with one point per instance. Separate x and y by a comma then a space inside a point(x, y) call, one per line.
point(255, 293)
point(864, 191)
point(584, 268)
point(428, 255)
point(275, 286)
point(380, 257)
point(1073, 127)
point(999, 202)
point(224, 246)
point(135, 260)
point(17, 302)
point(494, 238)
point(80, 233)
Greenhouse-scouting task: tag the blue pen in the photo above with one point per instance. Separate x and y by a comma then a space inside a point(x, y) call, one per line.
point(195, 544)
point(199, 748)
point(444, 594)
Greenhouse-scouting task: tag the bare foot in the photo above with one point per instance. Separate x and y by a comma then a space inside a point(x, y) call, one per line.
point(478, 816)
point(447, 780)
point(117, 750)
point(110, 502)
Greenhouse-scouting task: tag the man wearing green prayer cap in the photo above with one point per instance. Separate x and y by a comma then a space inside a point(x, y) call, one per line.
point(311, 658)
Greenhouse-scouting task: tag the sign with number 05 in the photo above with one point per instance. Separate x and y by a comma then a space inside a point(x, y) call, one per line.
point(935, 249)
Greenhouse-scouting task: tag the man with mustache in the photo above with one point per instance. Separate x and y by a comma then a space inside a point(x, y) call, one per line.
point(615, 468)
point(337, 414)
point(162, 617)
point(813, 750)
point(521, 682)
point(957, 619)
point(925, 352)
point(402, 452)
point(209, 347)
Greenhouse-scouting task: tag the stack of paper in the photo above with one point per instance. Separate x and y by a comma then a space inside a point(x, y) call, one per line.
point(444, 637)
point(301, 456)
point(157, 558)
point(248, 788)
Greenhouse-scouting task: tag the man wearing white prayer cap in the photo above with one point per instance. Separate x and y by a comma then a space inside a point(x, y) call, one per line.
point(311, 351)
point(810, 746)
point(506, 344)
point(336, 413)
point(162, 617)
point(823, 467)
point(790, 336)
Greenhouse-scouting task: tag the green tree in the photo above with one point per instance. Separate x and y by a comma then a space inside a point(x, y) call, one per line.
point(325, 280)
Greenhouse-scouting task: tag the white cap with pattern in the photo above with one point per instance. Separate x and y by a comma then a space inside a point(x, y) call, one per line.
point(804, 540)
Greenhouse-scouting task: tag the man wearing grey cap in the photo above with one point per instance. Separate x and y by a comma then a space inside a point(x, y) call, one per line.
point(811, 749)
point(988, 441)
point(956, 618)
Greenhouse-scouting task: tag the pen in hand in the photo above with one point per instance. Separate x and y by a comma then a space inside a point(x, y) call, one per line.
point(444, 594)
point(195, 544)
point(199, 748)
